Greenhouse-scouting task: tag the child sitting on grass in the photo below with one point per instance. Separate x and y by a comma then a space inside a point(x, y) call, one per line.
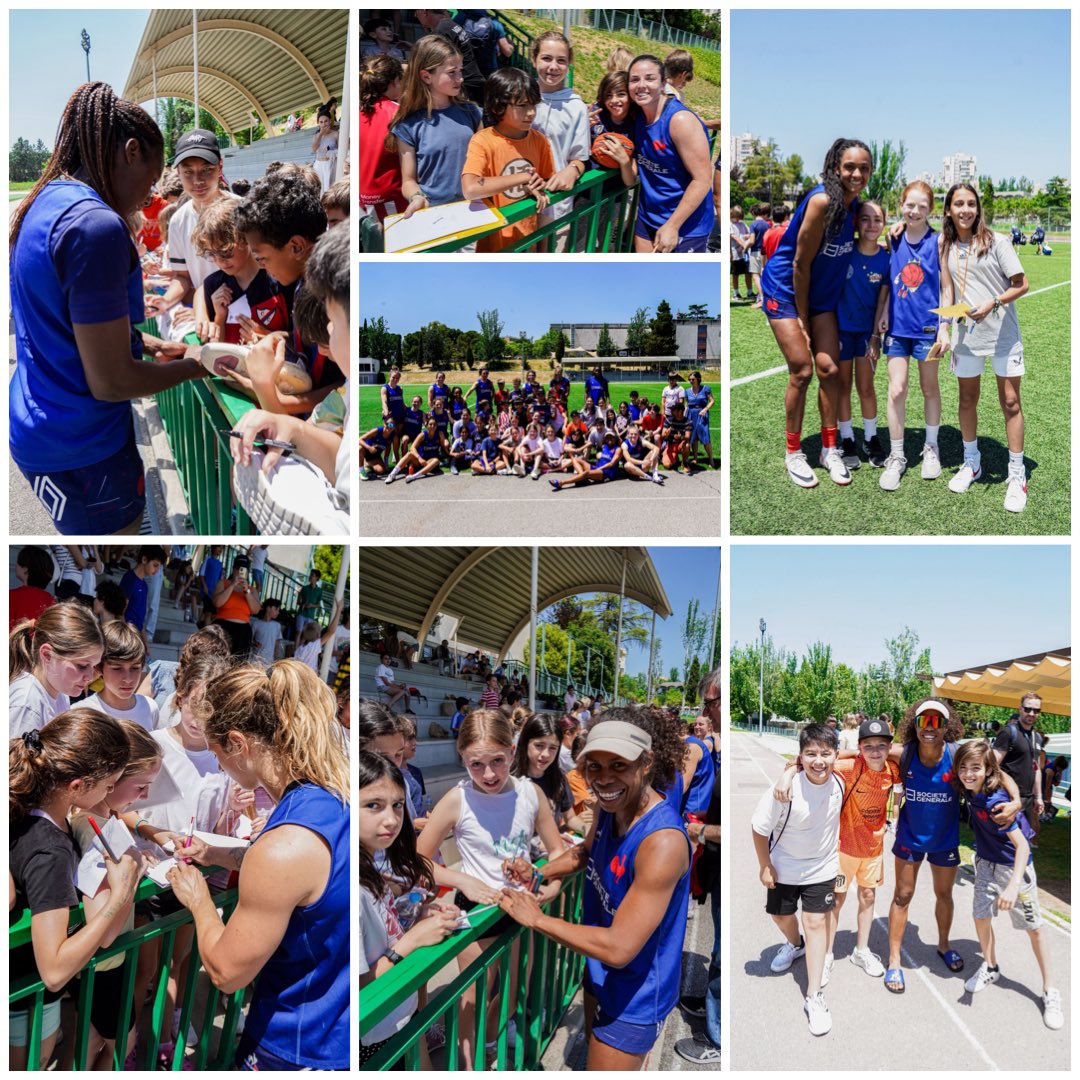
point(509, 161)
point(237, 275)
point(122, 665)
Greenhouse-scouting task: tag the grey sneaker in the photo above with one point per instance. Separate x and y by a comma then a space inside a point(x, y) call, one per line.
point(787, 955)
point(798, 468)
point(817, 1013)
point(699, 1051)
point(895, 467)
point(931, 462)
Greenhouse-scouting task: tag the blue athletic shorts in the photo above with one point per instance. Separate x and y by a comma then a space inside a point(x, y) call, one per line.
point(951, 857)
point(853, 344)
point(97, 499)
point(775, 308)
point(686, 244)
point(251, 1058)
point(629, 1038)
point(906, 346)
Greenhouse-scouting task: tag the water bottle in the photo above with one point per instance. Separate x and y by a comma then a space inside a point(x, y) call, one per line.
point(407, 907)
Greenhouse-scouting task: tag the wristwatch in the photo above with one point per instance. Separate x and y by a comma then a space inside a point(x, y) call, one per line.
point(393, 957)
point(997, 304)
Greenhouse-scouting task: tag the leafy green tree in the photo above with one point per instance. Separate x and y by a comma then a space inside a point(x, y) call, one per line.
point(327, 560)
point(605, 346)
point(690, 686)
point(26, 160)
point(363, 339)
point(560, 347)
point(887, 179)
point(382, 345)
point(637, 332)
point(986, 197)
point(492, 343)
point(764, 175)
point(661, 337)
point(817, 683)
point(697, 312)
point(694, 629)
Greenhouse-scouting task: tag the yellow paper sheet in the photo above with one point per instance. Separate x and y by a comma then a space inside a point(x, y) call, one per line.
point(438, 224)
point(953, 311)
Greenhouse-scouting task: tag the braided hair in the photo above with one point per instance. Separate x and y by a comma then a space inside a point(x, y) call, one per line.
point(836, 211)
point(95, 123)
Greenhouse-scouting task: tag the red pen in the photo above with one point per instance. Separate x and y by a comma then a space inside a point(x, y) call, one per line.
point(101, 836)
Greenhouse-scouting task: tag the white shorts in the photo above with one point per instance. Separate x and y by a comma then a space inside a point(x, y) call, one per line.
point(1011, 366)
point(755, 262)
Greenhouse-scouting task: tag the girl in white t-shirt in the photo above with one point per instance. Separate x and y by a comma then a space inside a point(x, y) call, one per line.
point(51, 660)
point(981, 270)
point(553, 459)
point(530, 453)
point(310, 646)
point(384, 941)
point(492, 817)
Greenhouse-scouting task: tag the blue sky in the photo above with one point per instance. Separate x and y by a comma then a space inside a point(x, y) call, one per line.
point(969, 604)
point(529, 297)
point(943, 81)
point(46, 62)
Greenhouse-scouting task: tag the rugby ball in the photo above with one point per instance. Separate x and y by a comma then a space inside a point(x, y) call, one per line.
point(600, 154)
point(226, 360)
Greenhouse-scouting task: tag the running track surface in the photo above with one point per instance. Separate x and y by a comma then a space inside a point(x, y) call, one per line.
point(935, 1024)
point(511, 506)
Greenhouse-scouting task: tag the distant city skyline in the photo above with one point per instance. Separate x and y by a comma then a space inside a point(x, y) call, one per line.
point(1011, 134)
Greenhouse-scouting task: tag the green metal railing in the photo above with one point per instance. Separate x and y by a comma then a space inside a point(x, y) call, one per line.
point(208, 1055)
point(549, 976)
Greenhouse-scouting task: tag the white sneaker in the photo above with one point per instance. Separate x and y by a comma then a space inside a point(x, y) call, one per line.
point(833, 461)
point(392, 477)
point(535, 474)
point(931, 463)
point(895, 467)
point(969, 472)
point(1016, 493)
point(293, 499)
point(453, 469)
point(817, 1013)
point(787, 956)
point(1052, 1016)
point(798, 468)
point(519, 470)
point(869, 962)
point(826, 971)
point(982, 978)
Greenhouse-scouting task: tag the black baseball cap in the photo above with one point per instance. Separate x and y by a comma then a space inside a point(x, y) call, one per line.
point(874, 729)
point(198, 143)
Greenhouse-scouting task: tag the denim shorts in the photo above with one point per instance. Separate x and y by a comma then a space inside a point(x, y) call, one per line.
point(19, 1023)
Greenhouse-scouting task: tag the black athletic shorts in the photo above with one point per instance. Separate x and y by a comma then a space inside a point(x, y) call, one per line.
point(817, 898)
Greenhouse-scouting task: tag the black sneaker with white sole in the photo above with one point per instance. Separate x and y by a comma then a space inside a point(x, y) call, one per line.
point(849, 452)
point(876, 454)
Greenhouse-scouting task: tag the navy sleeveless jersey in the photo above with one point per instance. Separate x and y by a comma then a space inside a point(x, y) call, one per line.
point(663, 176)
point(604, 462)
point(485, 390)
point(647, 988)
point(929, 818)
point(300, 1007)
point(438, 391)
point(696, 800)
point(395, 401)
point(414, 422)
point(916, 288)
point(827, 271)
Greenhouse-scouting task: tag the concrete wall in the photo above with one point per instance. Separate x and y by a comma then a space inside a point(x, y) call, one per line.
point(587, 336)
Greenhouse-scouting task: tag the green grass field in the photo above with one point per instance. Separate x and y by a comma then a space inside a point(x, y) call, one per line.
point(765, 502)
point(371, 411)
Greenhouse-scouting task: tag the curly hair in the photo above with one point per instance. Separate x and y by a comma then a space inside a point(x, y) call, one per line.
point(668, 749)
point(954, 727)
point(837, 212)
point(279, 208)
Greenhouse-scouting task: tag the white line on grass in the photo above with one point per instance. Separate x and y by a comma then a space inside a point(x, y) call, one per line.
point(778, 370)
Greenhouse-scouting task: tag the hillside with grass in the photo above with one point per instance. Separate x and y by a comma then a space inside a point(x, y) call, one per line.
point(591, 48)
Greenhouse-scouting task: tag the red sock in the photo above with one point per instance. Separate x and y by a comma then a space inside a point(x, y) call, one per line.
point(794, 442)
point(828, 437)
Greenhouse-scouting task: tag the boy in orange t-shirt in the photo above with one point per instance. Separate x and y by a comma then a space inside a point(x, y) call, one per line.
point(509, 161)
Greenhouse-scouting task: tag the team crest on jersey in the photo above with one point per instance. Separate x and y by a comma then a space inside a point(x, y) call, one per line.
point(271, 313)
point(618, 866)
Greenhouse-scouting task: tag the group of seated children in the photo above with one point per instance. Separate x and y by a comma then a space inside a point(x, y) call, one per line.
point(142, 768)
point(528, 431)
point(530, 136)
point(236, 271)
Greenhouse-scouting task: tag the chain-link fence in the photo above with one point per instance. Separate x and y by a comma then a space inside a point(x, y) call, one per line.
point(632, 22)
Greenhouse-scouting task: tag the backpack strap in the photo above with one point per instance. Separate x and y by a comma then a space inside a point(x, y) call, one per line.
point(773, 841)
point(855, 783)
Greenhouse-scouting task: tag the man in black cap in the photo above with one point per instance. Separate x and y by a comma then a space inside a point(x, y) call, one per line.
point(438, 21)
point(198, 164)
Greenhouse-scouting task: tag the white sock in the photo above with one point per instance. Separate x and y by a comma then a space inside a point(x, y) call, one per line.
point(846, 430)
point(931, 434)
point(1016, 461)
point(971, 451)
point(897, 446)
point(869, 424)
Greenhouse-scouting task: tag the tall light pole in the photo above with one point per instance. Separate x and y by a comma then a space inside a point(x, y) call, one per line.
point(86, 49)
point(523, 337)
point(761, 680)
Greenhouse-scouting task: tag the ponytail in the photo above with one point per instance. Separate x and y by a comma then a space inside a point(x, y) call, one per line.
point(288, 708)
point(80, 744)
point(69, 627)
